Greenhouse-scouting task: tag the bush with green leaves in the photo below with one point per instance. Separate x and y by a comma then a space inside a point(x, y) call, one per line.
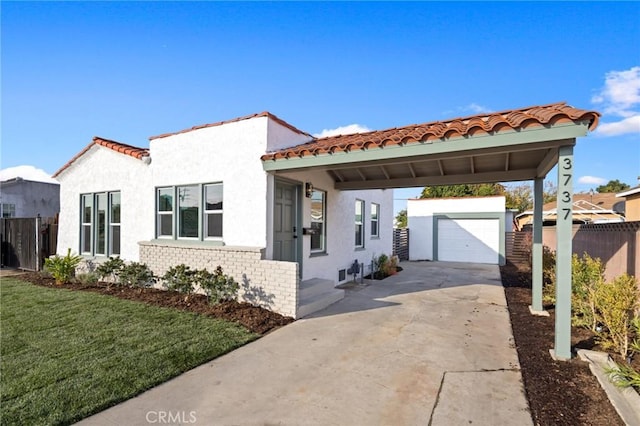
point(110, 269)
point(136, 274)
point(616, 304)
point(87, 278)
point(62, 268)
point(624, 375)
point(587, 275)
point(217, 286)
point(179, 278)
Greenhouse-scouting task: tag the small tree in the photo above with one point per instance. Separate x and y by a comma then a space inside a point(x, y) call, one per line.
point(612, 186)
point(401, 219)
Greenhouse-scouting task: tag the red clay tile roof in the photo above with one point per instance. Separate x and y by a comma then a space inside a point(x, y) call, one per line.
point(122, 148)
point(246, 117)
point(457, 127)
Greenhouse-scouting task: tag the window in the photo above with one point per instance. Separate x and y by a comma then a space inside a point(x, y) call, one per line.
point(318, 210)
point(359, 223)
point(213, 211)
point(196, 213)
point(165, 212)
point(100, 224)
point(188, 211)
point(375, 213)
point(8, 210)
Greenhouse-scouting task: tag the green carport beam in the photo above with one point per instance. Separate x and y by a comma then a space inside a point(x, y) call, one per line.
point(536, 250)
point(564, 235)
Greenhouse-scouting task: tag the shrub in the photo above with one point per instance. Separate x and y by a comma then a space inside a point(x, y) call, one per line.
point(62, 268)
point(111, 269)
point(217, 286)
point(179, 278)
point(624, 375)
point(136, 275)
point(587, 275)
point(87, 278)
point(616, 304)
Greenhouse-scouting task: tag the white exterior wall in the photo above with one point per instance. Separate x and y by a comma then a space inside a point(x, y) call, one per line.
point(420, 214)
point(230, 154)
point(340, 222)
point(100, 170)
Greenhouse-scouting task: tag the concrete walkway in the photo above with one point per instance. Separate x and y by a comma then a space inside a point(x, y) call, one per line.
point(431, 345)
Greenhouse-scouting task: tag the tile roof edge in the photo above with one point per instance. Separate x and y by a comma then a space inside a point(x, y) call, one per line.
point(103, 142)
point(233, 120)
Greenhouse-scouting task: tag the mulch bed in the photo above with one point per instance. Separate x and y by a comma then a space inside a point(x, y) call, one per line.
point(254, 318)
point(559, 392)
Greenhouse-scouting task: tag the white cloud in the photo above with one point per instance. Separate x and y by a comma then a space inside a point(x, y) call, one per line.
point(620, 97)
point(27, 173)
point(592, 180)
point(343, 130)
point(475, 108)
point(627, 125)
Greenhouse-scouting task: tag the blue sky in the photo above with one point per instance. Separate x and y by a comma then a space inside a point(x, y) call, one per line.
point(130, 70)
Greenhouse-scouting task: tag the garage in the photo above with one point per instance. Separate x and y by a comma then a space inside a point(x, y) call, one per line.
point(470, 229)
point(468, 240)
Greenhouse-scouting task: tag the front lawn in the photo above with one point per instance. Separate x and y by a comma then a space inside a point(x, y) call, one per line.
point(68, 354)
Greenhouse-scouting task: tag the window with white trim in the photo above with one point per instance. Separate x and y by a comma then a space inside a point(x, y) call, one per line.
point(318, 212)
point(8, 210)
point(100, 224)
point(190, 212)
point(375, 220)
point(359, 219)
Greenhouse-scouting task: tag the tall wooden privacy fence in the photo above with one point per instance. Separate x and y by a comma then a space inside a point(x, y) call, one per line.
point(401, 243)
point(616, 244)
point(26, 242)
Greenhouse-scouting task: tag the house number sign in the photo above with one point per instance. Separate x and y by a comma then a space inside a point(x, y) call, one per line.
point(566, 183)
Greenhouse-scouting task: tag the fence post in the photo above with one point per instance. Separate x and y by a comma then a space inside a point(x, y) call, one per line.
point(38, 242)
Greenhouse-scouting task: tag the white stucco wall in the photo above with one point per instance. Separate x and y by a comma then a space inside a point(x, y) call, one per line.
point(100, 170)
point(340, 222)
point(230, 154)
point(420, 214)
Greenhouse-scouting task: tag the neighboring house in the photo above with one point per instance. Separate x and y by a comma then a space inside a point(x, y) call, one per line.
point(587, 208)
point(26, 198)
point(202, 197)
point(470, 229)
point(632, 203)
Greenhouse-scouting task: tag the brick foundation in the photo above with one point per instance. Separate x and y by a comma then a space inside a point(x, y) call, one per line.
point(268, 283)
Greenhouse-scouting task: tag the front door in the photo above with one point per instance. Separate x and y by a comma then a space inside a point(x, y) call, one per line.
point(285, 222)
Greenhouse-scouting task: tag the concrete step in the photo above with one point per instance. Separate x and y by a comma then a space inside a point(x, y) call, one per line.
point(318, 302)
point(315, 286)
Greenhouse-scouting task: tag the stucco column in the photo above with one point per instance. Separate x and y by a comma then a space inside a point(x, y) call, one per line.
point(562, 346)
point(536, 249)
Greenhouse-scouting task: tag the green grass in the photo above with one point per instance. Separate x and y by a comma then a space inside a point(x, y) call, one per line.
point(68, 354)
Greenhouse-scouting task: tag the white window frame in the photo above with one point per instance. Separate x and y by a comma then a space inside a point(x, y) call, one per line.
point(375, 219)
point(323, 234)
point(359, 223)
point(93, 229)
point(8, 210)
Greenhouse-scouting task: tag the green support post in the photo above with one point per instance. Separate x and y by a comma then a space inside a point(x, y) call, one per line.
point(564, 224)
point(536, 249)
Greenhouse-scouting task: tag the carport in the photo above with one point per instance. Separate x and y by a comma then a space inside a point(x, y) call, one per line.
point(514, 145)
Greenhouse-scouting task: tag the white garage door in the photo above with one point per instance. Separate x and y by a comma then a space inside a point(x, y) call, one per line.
point(469, 240)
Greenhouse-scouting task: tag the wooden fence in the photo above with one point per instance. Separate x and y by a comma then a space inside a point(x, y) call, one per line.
point(26, 242)
point(401, 243)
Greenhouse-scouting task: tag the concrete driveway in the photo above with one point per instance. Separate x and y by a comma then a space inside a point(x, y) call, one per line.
point(431, 345)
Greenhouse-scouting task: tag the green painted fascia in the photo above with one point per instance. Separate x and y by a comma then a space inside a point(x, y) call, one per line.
point(472, 215)
point(467, 143)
